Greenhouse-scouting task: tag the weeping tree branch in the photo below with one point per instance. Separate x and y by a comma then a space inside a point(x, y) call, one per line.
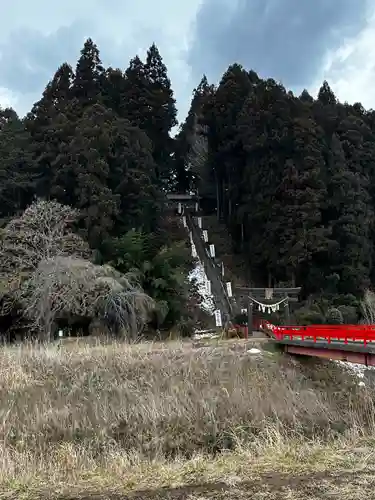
point(68, 287)
point(368, 307)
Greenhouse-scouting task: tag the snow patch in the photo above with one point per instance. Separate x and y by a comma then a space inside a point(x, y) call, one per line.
point(199, 276)
point(353, 368)
point(208, 335)
point(254, 350)
point(356, 370)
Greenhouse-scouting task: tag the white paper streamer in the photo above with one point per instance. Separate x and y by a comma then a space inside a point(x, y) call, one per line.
point(218, 318)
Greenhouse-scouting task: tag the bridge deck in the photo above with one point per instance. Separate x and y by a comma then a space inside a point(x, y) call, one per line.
point(353, 343)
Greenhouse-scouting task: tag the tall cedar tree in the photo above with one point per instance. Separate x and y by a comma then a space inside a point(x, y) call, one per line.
point(227, 157)
point(263, 128)
point(89, 75)
point(150, 105)
point(105, 168)
point(163, 116)
point(17, 167)
point(40, 123)
point(348, 213)
point(296, 216)
point(191, 135)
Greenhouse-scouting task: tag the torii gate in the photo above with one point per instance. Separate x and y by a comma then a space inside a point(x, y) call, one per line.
point(269, 299)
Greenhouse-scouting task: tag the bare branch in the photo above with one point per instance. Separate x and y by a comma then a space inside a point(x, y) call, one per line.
point(64, 287)
point(198, 155)
point(368, 307)
point(42, 232)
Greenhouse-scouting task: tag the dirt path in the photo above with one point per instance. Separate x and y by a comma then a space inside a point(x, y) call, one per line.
point(343, 485)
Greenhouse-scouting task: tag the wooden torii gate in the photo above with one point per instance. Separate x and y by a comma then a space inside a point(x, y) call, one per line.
point(269, 297)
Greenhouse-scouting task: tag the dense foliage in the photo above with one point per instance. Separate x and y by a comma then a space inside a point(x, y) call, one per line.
point(98, 141)
point(291, 177)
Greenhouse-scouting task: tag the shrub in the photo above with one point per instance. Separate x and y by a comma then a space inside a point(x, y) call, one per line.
point(334, 317)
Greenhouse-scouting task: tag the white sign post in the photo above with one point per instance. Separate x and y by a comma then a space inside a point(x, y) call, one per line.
point(191, 237)
point(184, 221)
point(194, 251)
point(196, 207)
point(205, 235)
point(229, 288)
point(212, 250)
point(218, 317)
point(222, 268)
point(200, 222)
point(179, 208)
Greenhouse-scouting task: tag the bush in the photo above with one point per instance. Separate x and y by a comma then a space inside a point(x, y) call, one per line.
point(349, 314)
point(162, 271)
point(305, 316)
point(67, 287)
point(334, 317)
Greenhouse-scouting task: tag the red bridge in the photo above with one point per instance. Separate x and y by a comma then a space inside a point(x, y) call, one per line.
point(352, 343)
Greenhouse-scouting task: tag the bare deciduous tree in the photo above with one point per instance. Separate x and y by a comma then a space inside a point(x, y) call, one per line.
point(198, 155)
point(42, 232)
point(368, 307)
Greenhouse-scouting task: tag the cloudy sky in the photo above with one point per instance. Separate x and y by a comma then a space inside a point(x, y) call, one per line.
point(299, 42)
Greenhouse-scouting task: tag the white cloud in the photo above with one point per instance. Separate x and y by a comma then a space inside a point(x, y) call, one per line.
point(7, 99)
point(37, 37)
point(350, 71)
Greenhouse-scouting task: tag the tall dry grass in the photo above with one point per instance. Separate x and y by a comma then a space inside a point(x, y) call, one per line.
point(71, 412)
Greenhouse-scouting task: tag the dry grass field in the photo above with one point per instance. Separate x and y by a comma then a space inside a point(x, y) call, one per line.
point(150, 421)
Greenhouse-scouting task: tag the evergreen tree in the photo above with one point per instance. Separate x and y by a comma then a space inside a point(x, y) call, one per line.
point(17, 167)
point(89, 75)
point(326, 96)
point(163, 116)
point(191, 147)
point(105, 169)
point(350, 216)
point(263, 128)
point(151, 106)
point(40, 123)
point(292, 179)
point(82, 173)
point(227, 158)
point(134, 98)
point(297, 214)
point(113, 91)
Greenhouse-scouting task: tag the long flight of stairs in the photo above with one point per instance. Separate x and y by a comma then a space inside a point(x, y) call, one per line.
point(212, 271)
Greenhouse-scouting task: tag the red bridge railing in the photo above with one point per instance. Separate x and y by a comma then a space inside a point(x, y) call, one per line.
point(328, 333)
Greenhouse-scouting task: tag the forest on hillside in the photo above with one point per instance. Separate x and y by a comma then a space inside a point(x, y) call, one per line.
point(293, 179)
point(83, 178)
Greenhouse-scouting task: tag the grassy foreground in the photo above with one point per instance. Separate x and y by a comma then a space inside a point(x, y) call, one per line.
point(154, 421)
